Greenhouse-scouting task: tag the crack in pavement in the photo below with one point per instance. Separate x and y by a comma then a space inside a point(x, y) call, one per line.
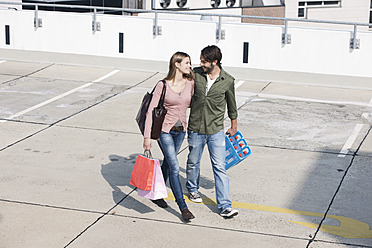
point(338, 188)
point(27, 75)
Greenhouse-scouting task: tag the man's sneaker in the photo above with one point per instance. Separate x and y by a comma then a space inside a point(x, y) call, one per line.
point(229, 212)
point(195, 197)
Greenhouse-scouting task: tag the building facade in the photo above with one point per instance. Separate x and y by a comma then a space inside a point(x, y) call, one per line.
point(330, 10)
point(359, 11)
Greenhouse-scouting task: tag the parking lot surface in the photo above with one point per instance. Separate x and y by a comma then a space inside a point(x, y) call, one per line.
point(68, 143)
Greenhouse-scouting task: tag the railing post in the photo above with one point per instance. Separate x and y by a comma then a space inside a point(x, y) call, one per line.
point(286, 38)
point(96, 26)
point(156, 30)
point(354, 42)
point(220, 34)
point(38, 22)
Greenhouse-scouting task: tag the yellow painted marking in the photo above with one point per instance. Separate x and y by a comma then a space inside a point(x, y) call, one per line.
point(348, 228)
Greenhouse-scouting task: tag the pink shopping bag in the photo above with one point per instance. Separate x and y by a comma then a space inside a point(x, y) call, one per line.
point(159, 189)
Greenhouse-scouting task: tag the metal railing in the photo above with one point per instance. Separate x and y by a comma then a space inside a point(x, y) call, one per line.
point(220, 33)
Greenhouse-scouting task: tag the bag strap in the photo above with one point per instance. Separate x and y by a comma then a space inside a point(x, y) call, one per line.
point(147, 154)
point(161, 100)
point(153, 89)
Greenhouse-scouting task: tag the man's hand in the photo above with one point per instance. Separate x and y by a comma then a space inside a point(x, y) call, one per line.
point(233, 129)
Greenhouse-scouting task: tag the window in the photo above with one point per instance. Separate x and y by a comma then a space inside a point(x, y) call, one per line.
point(304, 5)
point(317, 3)
point(370, 16)
point(332, 3)
point(301, 12)
point(301, 9)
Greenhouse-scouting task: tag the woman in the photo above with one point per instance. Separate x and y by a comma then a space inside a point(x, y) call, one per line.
point(179, 89)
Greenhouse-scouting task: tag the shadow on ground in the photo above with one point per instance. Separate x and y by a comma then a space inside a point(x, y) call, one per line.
point(117, 174)
point(338, 188)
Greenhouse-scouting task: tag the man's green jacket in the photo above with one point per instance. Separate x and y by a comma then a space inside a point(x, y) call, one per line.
point(208, 110)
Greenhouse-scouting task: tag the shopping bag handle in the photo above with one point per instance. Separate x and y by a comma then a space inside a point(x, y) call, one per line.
point(147, 154)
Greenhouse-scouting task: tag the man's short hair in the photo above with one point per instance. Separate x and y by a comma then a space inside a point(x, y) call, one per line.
point(212, 53)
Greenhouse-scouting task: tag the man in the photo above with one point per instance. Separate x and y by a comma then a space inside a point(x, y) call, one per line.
point(213, 90)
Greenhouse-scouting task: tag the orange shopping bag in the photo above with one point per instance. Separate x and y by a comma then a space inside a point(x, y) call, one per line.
point(143, 173)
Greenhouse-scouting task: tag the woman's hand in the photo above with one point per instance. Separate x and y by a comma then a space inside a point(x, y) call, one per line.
point(147, 144)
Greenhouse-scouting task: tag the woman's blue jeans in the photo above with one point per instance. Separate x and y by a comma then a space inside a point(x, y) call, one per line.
point(217, 153)
point(170, 143)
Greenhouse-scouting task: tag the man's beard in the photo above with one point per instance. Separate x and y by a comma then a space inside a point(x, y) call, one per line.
point(208, 69)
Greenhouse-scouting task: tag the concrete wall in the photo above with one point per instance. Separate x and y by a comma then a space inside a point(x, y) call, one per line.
point(312, 50)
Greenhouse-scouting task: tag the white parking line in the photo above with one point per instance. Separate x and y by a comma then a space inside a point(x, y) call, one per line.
point(106, 76)
point(58, 97)
point(302, 99)
point(46, 102)
point(353, 136)
point(238, 84)
point(350, 140)
point(365, 115)
point(2, 61)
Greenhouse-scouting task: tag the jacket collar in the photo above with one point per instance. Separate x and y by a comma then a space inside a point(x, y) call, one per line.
point(222, 75)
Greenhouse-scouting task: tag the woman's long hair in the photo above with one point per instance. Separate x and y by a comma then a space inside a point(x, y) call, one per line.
point(177, 58)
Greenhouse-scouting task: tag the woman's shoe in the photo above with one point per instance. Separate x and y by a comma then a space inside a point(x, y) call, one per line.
point(187, 215)
point(161, 203)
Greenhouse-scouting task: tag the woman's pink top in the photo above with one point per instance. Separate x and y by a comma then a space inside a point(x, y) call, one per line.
point(176, 105)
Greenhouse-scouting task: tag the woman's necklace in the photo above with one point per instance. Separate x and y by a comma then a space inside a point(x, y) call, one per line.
point(178, 87)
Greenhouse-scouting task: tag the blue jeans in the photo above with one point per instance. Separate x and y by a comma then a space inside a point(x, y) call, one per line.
point(170, 143)
point(216, 147)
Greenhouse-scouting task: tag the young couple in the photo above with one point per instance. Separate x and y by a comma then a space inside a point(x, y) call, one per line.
point(207, 90)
